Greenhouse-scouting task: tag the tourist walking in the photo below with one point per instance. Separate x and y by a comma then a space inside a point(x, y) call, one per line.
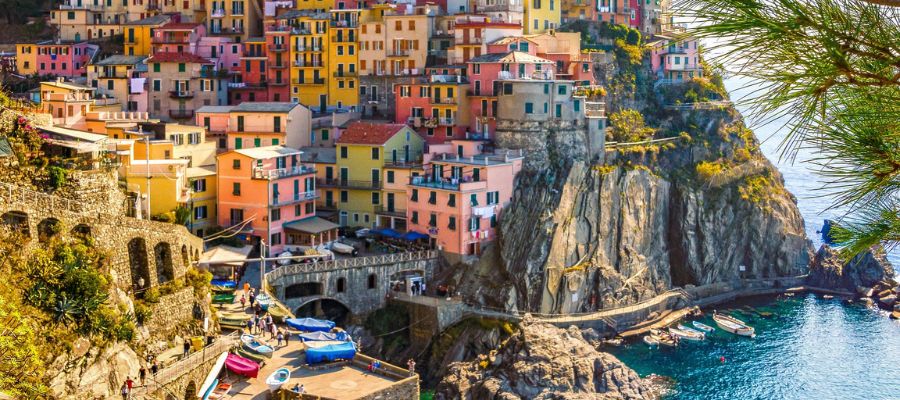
point(411, 366)
point(252, 298)
point(262, 326)
point(287, 336)
point(250, 325)
point(187, 347)
point(273, 329)
point(280, 338)
point(124, 391)
point(243, 302)
point(129, 383)
point(142, 374)
point(154, 368)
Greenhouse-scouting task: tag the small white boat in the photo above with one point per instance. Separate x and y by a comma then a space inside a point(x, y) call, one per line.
point(651, 341)
point(827, 297)
point(733, 325)
point(278, 378)
point(703, 327)
point(687, 334)
point(342, 248)
point(253, 345)
point(664, 338)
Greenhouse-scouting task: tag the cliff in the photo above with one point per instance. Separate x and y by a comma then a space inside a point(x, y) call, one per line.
point(584, 233)
point(544, 362)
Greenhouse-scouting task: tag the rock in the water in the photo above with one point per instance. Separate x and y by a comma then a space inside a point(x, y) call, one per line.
point(888, 301)
point(545, 362)
point(864, 271)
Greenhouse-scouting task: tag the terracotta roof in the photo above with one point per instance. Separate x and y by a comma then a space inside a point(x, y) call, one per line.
point(369, 133)
point(172, 57)
point(175, 26)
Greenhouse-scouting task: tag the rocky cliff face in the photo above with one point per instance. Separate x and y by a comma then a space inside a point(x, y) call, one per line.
point(582, 235)
point(544, 362)
point(862, 273)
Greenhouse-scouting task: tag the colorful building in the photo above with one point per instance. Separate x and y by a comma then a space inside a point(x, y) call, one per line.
point(138, 35)
point(541, 15)
point(437, 106)
point(237, 20)
point(271, 195)
point(363, 150)
point(251, 83)
point(472, 34)
point(343, 59)
point(308, 54)
point(459, 198)
point(79, 20)
point(68, 103)
point(505, 11)
point(26, 58)
point(258, 124)
point(484, 73)
point(122, 78)
point(674, 57)
point(180, 83)
point(66, 59)
point(579, 10)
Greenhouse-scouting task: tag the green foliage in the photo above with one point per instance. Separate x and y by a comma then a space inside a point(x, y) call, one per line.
point(707, 170)
point(152, 295)
point(21, 370)
point(628, 126)
point(163, 217)
point(632, 53)
point(831, 67)
point(57, 176)
point(758, 188)
point(142, 312)
point(182, 215)
point(198, 279)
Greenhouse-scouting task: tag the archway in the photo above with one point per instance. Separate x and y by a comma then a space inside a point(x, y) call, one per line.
point(191, 391)
point(81, 231)
point(184, 256)
point(164, 270)
point(303, 290)
point(17, 221)
point(48, 229)
point(137, 259)
point(330, 309)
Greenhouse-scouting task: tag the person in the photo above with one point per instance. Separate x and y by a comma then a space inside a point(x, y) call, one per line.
point(129, 383)
point(250, 325)
point(142, 374)
point(246, 288)
point(274, 329)
point(243, 302)
point(287, 336)
point(280, 337)
point(301, 390)
point(411, 366)
point(124, 391)
point(252, 298)
point(154, 368)
point(187, 347)
point(262, 326)
point(296, 388)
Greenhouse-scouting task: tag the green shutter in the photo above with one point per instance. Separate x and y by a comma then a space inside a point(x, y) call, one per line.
point(274, 142)
point(155, 67)
point(238, 143)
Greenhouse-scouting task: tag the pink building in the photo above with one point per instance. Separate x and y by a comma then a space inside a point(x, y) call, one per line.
point(66, 59)
point(674, 57)
point(269, 192)
point(483, 73)
point(459, 199)
point(177, 37)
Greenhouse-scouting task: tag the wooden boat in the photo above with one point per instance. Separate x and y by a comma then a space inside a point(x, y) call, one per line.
point(691, 330)
point(242, 366)
point(687, 334)
point(278, 313)
point(223, 298)
point(259, 358)
point(220, 392)
point(733, 325)
point(342, 248)
point(664, 338)
point(278, 378)
point(264, 301)
point(703, 327)
point(651, 341)
point(251, 344)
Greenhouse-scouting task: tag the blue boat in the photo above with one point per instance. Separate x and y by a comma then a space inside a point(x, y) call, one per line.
point(324, 336)
point(255, 346)
point(264, 301)
point(223, 285)
point(310, 324)
point(334, 352)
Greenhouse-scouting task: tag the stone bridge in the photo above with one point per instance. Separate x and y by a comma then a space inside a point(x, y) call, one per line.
point(139, 250)
point(183, 379)
point(359, 285)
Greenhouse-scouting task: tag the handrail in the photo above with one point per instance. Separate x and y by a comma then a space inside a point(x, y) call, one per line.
point(189, 363)
point(348, 263)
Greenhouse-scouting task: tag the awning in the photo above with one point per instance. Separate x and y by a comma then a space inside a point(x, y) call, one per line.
point(413, 235)
point(388, 232)
point(312, 225)
point(225, 255)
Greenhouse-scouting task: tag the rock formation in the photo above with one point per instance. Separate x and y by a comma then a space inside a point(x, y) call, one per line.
point(544, 362)
point(869, 273)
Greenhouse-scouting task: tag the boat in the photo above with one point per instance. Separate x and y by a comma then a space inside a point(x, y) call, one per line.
point(343, 248)
point(703, 327)
point(255, 346)
point(264, 301)
point(310, 324)
point(733, 325)
point(278, 378)
point(324, 336)
point(259, 358)
point(242, 366)
point(827, 297)
point(223, 298)
point(651, 341)
point(278, 313)
point(223, 285)
point(664, 338)
point(687, 334)
point(689, 329)
point(220, 392)
point(212, 378)
point(334, 352)
point(233, 319)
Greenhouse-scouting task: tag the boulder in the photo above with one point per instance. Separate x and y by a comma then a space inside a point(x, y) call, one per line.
point(895, 315)
point(888, 301)
point(870, 269)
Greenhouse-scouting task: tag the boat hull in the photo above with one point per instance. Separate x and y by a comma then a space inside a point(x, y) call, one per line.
point(734, 325)
point(278, 379)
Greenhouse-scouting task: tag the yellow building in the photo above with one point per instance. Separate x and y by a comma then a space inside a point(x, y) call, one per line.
point(77, 20)
point(237, 19)
point(26, 58)
point(202, 202)
point(541, 15)
point(362, 153)
point(314, 5)
point(114, 78)
point(308, 54)
point(343, 58)
point(138, 34)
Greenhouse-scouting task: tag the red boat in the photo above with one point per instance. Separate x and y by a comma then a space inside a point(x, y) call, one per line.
point(242, 366)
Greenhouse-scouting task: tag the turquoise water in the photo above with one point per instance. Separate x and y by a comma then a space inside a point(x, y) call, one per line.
point(810, 348)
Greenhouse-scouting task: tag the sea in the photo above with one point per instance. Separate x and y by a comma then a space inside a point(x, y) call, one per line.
point(807, 347)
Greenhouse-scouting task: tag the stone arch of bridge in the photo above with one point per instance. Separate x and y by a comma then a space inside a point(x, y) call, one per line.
point(138, 260)
point(81, 231)
point(48, 229)
point(304, 289)
point(165, 269)
point(16, 221)
point(324, 307)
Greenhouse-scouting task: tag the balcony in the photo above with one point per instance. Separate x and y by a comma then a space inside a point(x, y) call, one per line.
point(594, 109)
point(171, 39)
point(217, 13)
point(181, 94)
point(403, 163)
point(399, 53)
point(271, 174)
point(278, 47)
point(113, 75)
point(281, 65)
point(342, 39)
point(296, 198)
point(237, 12)
point(314, 82)
point(237, 30)
point(348, 184)
point(500, 8)
point(247, 85)
point(443, 100)
point(314, 49)
point(392, 211)
point(181, 114)
point(445, 121)
point(472, 40)
point(465, 183)
point(345, 74)
point(308, 64)
point(278, 83)
point(343, 23)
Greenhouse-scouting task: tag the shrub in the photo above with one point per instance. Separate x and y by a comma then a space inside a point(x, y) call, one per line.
point(706, 170)
point(152, 295)
point(142, 313)
point(163, 217)
point(628, 126)
point(742, 155)
point(198, 279)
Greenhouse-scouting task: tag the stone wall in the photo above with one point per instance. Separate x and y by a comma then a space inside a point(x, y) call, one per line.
point(171, 311)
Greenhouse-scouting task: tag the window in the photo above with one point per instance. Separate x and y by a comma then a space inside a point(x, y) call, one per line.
point(432, 220)
point(374, 153)
point(415, 195)
point(452, 200)
point(529, 108)
point(257, 142)
point(494, 221)
point(182, 67)
point(341, 285)
point(238, 143)
point(277, 124)
point(390, 177)
point(507, 88)
point(110, 84)
point(375, 197)
point(577, 106)
point(398, 25)
point(452, 223)
point(476, 68)
point(345, 197)
point(432, 197)
point(236, 188)
point(310, 208)
point(156, 85)
point(343, 151)
point(236, 164)
point(276, 239)
point(561, 89)
point(559, 111)
point(473, 200)
point(275, 142)
point(415, 217)
point(200, 212)
point(372, 281)
point(240, 123)
point(493, 197)
point(200, 185)
point(324, 134)
point(536, 3)
point(276, 214)
point(474, 224)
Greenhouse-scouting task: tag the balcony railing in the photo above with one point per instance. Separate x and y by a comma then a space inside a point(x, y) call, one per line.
point(320, 81)
point(308, 48)
point(345, 74)
point(343, 23)
point(297, 197)
point(393, 211)
point(181, 114)
point(472, 40)
point(342, 39)
point(443, 100)
point(308, 64)
point(348, 184)
point(459, 183)
point(278, 83)
point(278, 47)
point(181, 94)
point(446, 121)
point(247, 85)
point(217, 13)
point(399, 53)
point(400, 163)
point(282, 65)
point(279, 173)
point(170, 40)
